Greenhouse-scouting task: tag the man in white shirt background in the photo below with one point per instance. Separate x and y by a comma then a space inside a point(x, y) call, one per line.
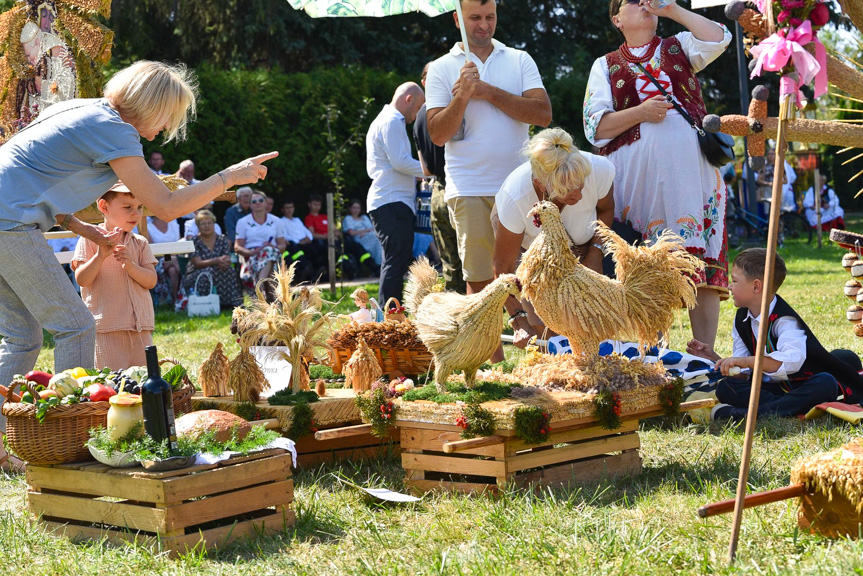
point(392, 195)
point(481, 111)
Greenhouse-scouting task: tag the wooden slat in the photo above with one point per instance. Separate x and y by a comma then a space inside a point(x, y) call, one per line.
point(454, 465)
point(228, 478)
point(218, 537)
point(100, 512)
point(344, 432)
point(433, 441)
point(576, 435)
point(230, 504)
point(99, 483)
point(473, 443)
point(462, 487)
point(582, 472)
point(572, 452)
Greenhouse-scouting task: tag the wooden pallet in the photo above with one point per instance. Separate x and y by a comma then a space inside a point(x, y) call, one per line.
point(180, 511)
point(334, 411)
point(435, 458)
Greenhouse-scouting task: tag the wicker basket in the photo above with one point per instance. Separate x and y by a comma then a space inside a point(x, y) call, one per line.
point(183, 395)
point(410, 361)
point(60, 438)
point(393, 316)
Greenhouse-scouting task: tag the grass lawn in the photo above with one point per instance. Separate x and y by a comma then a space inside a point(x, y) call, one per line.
point(642, 525)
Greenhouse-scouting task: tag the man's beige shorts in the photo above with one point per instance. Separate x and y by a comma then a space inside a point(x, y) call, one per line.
point(471, 218)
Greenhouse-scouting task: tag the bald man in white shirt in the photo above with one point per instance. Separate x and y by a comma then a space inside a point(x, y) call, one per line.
point(392, 196)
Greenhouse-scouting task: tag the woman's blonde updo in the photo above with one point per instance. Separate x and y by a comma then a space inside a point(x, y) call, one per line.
point(556, 163)
point(149, 92)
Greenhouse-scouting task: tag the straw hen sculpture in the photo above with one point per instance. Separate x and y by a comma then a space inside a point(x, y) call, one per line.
point(587, 307)
point(460, 331)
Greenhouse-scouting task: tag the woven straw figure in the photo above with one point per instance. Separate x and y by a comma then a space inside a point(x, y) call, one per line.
point(588, 307)
point(246, 379)
point(362, 369)
point(293, 320)
point(460, 331)
point(215, 372)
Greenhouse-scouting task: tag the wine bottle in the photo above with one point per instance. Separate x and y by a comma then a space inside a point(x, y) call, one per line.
point(158, 400)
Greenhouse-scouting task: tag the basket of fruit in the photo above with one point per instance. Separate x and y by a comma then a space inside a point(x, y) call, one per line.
point(50, 426)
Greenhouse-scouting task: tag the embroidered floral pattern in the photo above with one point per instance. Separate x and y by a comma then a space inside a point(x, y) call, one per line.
point(620, 83)
point(591, 122)
point(678, 67)
point(674, 49)
point(615, 68)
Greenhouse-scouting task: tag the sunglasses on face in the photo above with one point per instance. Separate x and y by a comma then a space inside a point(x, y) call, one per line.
point(258, 201)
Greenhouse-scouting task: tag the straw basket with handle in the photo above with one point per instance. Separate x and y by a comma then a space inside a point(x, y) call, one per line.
point(396, 314)
point(183, 395)
point(60, 438)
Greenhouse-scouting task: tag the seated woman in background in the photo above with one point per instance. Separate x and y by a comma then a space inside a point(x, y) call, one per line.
point(212, 254)
point(832, 214)
point(358, 228)
point(259, 241)
point(168, 268)
point(578, 183)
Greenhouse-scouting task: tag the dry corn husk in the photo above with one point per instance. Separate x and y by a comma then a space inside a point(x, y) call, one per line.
point(587, 307)
point(362, 368)
point(614, 373)
point(460, 331)
point(246, 378)
point(215, 373)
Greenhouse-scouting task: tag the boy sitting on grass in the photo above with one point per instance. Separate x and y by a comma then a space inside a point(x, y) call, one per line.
point(798, 372)
point(116, 283)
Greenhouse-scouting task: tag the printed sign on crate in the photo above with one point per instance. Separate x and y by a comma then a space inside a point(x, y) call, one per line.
point(276, 368)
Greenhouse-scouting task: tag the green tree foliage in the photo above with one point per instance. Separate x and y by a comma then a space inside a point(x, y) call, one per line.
point(243, 113)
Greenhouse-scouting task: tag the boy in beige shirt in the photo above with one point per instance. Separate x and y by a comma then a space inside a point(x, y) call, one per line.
point(116, 282)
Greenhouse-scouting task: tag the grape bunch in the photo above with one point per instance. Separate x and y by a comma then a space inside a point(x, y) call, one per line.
point(122, 382)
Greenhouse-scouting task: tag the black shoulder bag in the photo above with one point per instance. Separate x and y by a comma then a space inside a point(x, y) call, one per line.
point(717, 147)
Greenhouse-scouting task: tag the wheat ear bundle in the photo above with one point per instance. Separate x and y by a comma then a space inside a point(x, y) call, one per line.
point(215, 372)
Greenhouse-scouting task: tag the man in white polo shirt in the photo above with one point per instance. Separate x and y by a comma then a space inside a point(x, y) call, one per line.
point(481, 112)
point(392, 195)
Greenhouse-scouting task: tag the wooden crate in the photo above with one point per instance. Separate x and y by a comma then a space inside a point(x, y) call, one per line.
point(335, 410)
point(584, 454)
point(205, 506)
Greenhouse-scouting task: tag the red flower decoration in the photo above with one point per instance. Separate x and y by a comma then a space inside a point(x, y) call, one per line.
point(820, 15)
point(773, 317)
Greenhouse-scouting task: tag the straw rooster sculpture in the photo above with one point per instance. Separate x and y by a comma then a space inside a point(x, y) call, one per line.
point(460, 331)
point(587, 307)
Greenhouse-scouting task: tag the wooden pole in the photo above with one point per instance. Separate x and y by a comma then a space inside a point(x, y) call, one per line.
point(753, 500)
point(345, 432)
point(767, 294)
point(331, 244)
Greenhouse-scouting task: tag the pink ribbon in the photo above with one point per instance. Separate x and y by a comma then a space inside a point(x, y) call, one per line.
point(774, 52)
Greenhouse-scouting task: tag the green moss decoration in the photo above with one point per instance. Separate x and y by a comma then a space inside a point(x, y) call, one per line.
point(607, 409)
point(302, 421)
point(505, 366)
point(246, 411)
point(206, 405)
point(532, 424)
point(288, 397)
point(482, 392)
point(670, 397)
point(475, 421)
point(378, 410)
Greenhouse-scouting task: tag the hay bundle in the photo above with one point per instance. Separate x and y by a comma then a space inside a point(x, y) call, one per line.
point(839, 470)
point(614, 373)
point(215, 373)
point(246, 379)
point(362, 369)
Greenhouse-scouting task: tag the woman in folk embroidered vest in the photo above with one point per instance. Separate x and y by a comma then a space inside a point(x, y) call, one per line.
point(662, 179)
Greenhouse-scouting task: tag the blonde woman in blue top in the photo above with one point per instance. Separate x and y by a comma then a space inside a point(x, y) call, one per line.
point(66, 159)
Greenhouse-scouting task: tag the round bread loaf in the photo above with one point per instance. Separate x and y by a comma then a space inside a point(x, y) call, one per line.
point(222, 423)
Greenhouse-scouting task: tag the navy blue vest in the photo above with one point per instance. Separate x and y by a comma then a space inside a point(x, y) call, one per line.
point(818, 359)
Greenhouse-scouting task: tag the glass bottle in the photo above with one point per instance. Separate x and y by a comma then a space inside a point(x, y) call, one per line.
point(124, 414)
point(158, 400)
